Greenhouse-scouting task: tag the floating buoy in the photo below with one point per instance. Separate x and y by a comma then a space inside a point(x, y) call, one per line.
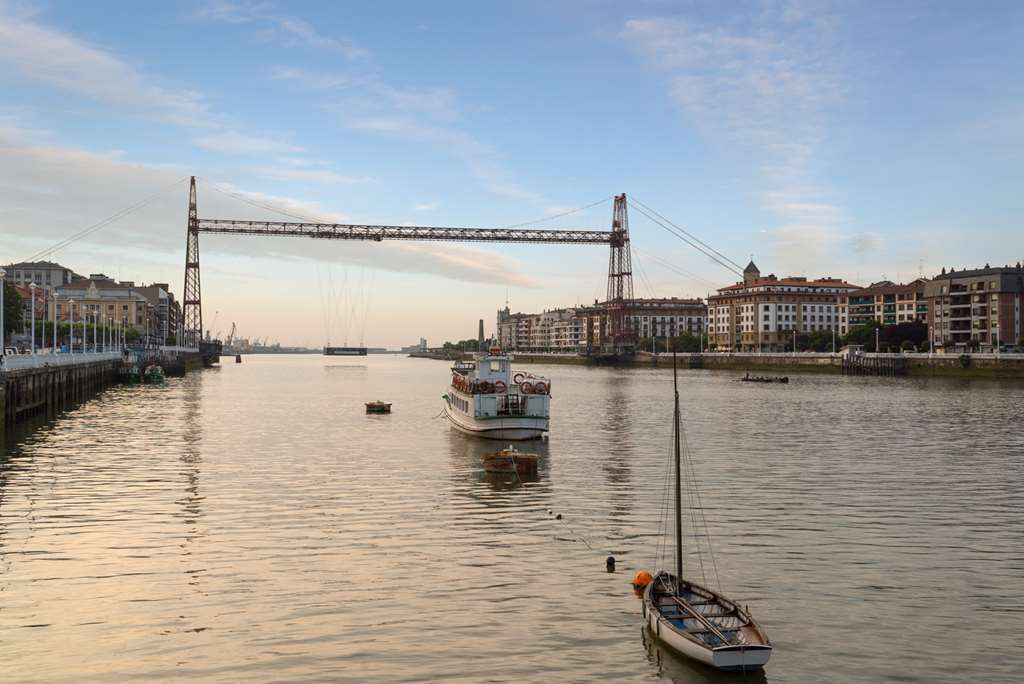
point(641, 580)
point(609, 564)
point(558, 517)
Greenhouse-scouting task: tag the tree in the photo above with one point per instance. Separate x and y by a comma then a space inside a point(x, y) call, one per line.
point(863, 335)
point(12, 310)
point(819, 341)
point(898, 336)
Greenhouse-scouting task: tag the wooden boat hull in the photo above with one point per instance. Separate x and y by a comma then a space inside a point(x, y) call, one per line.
point(729, 657)
point(508, 429)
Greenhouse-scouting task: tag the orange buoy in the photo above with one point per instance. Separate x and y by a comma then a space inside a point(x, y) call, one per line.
point(641, 580)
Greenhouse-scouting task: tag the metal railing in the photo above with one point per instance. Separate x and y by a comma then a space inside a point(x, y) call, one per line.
point(23, 361)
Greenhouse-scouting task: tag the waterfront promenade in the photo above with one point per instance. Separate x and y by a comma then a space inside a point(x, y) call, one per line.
point(953, 365)
point(44, 384)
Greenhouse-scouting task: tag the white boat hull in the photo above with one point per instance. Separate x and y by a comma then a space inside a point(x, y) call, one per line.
point(511, 428)
point(722, 658)
point(742, 656)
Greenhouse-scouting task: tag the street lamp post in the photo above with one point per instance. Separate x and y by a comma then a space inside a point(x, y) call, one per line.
point(3, 337)
point(877, 350)
point(32, 294)
point(833, 340)
point(71, 326)
point(85, 346)
point(794, 341)
point(54, 320)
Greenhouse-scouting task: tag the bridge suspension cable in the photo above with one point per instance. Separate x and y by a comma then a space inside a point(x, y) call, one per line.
point(100, 225)
point(695, 242)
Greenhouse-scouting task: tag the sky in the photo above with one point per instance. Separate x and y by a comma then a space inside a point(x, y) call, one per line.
point(861, 140)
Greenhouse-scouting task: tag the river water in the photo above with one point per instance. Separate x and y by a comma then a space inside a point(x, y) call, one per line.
point(250, 523)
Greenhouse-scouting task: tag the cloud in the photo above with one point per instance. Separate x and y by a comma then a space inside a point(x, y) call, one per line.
point(322, 176)
point(233, 142)
point(34, 52)
point(426, 116)
point(84, 187)
point(766, 84)
point(427, 206)
point(290, 30)
point(865, 243)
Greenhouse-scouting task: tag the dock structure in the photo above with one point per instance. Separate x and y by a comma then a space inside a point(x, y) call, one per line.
point(880, 365)
point(40, 386)
point(34, 386)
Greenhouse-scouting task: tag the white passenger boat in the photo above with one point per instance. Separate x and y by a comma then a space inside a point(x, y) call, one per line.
point(486, 399)
point(692, 619)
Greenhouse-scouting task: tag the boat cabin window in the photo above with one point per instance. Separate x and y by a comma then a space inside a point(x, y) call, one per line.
point(495, 366)
point(511, 405)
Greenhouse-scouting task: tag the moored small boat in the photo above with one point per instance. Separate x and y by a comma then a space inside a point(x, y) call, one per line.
point(510, 460)
point(694, 620)
point(486, 399)
point(378, 407)
point(154, 374)
point(783, 379)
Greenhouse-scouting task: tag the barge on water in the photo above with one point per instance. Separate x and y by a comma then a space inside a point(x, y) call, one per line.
point(486, 399)
point(344, 351)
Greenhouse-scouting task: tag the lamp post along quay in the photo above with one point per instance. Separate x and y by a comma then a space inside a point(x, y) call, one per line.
point(54, 348)
point(3, 336)
point(32, 295)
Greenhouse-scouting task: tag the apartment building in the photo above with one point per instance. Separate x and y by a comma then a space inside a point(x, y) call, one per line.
point(167, 309)
point(103, 297)
point(45, 274)
point(981, 307)
point(555, 330)
point(885, 302)
point(764, 313)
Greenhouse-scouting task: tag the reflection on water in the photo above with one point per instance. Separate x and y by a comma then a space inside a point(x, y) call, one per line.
point(254, 523)
point(676, 668)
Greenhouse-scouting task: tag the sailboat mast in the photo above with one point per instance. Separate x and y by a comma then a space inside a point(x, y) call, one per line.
point(679, 488)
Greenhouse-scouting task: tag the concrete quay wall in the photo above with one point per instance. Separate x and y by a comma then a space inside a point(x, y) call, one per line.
point(45, 389)
point(1007, 366)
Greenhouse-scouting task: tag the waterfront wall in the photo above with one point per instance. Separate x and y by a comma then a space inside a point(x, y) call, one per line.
point(1009, 366)
point(42, 386)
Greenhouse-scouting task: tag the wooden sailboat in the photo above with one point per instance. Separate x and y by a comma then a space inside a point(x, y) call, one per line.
point(694, 620)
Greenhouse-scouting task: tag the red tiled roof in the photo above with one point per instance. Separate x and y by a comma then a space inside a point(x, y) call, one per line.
point(790, 282)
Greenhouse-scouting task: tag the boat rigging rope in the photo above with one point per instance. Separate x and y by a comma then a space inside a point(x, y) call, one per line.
point(700, 508)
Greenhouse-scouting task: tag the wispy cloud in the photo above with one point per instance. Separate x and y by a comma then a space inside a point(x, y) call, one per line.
point(767, 83)
point(89, 186)
point(291, 30)
point(322, 176)
point(429, 116)
point(36, 52)
point(426, 206)
point(233, 142)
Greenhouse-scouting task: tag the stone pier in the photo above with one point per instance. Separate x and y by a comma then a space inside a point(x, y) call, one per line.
point(45, 385)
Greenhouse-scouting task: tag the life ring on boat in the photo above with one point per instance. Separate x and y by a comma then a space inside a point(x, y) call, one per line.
point(485, 387)
point(500, 387)
point(518, 377)
point(540, 388)
point(526, 387)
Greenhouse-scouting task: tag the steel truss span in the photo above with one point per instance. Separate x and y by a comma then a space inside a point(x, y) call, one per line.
point(375, 233)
